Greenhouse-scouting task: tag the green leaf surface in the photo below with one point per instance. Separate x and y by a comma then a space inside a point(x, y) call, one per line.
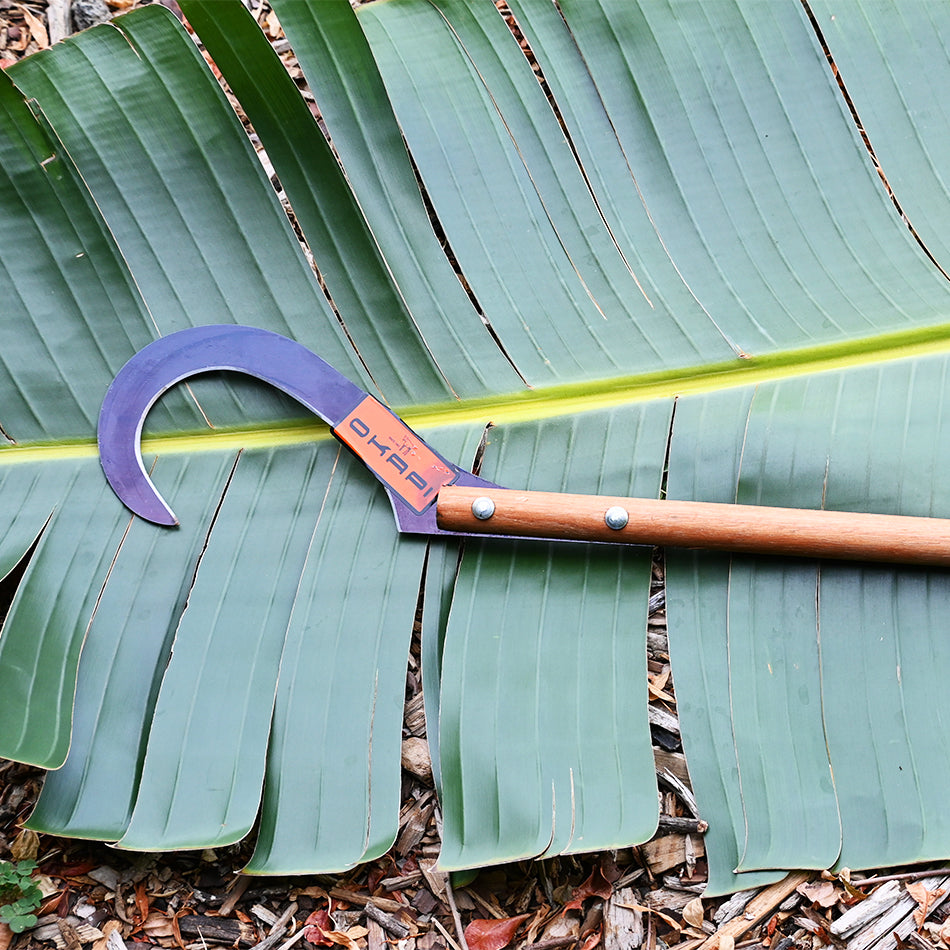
point(26, 492)
point(125, 656)
point(175, 177)
point(884, 723)
point(495, 162)
point(697, 598)
point(344, 77)
point(892, 58)
point(72, 315)
point(227, 649)
point(773, 643)
point(43, 632)
point(346, 649)
point(441, 573)
point(358, 278)
point(334, 754)
point(544, 743)
point(870, 631)
point(612, 181)
point(753, 172)
point(807, 442)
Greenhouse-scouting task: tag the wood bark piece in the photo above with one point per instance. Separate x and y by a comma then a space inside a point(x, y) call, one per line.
point(914, 939)
point(403, 880)
point(415, 758)
point(271, 940)
point(555, 943)
point(453, 907)
point(763, 903)
point(683, 826)
point(414, 822)
point(87, 13)
point(663, 719)
point(114, 941)
point(449, 938)
point(279, 926)
point(389, 923)
point(361, 900)
point(658, 644)
point(672, 762)
point(667, 900)
point(862, 914)
point(219, 929)
point(415, 715)
point(264, 914)
point(236, 892)
point(896, 920)
point(112, 936)
point(375, 936)
point(435, 878)
point(668, 851)
point(733, 907)
point(682, 789)
point(58, 20)
point(66, 933)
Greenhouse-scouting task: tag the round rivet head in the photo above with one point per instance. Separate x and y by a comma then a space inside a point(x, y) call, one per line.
point(483, 508)
point(616, 518)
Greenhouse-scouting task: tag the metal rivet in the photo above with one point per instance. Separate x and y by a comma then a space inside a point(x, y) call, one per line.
point(483, 508)
point(616, 518)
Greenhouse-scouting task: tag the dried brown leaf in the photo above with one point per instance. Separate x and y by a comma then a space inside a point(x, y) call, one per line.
point(592, 940)
point(656, 685)
point(925, 899)
point(492, 934)
point(645, 909)
point(317, 929)
point(347, 938)
point(693, 913)
point(158, 924)
point(822, 893)
point(595, 886)
point(538, 920)
point(37, 28)
point(313, 891)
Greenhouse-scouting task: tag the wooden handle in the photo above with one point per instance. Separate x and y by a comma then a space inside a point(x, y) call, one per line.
point(691, 524)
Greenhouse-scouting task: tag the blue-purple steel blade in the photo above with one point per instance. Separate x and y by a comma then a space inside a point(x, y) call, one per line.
point(273, 358)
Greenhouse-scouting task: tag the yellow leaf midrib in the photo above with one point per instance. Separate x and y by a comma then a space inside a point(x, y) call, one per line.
point(542, 403)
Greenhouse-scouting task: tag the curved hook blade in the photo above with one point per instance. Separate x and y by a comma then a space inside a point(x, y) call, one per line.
point(411, 471)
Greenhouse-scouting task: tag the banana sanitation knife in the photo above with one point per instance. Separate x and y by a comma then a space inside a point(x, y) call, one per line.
point(431, 495)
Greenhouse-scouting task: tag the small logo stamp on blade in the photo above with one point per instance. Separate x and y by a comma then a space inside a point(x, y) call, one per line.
point(395, 454)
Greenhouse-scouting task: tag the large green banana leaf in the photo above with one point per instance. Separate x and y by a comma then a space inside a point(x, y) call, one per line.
point(672, 268)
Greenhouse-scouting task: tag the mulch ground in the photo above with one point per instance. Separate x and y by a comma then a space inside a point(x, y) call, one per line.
point(650, 896)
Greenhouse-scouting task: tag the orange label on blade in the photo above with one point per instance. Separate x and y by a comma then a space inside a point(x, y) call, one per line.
point(395, 453)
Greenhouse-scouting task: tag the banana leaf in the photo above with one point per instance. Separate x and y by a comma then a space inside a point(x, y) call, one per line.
point(671, 269)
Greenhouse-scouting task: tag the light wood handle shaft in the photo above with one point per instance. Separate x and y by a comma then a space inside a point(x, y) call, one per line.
point(690, 524)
